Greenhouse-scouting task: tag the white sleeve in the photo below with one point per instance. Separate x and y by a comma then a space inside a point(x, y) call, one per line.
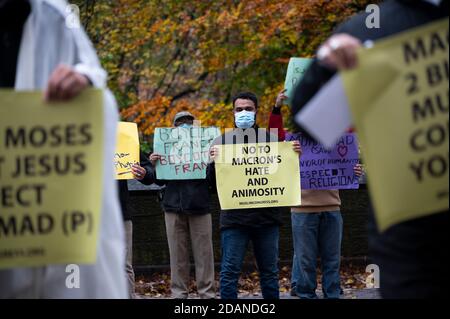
point(88, 64)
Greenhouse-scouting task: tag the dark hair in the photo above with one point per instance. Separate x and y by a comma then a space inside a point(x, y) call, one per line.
point(246, 96)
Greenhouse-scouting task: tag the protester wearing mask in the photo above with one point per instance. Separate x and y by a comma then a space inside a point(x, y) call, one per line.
point(187, 215)
point(409, 255)
point(241, 226)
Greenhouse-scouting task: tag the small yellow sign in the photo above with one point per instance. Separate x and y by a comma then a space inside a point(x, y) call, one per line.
point(127, 150)
point(399, 97)
point(258, 175)
point(51, 178)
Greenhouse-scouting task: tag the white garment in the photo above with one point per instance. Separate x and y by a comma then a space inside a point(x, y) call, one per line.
point(437, 3)
point(47, 42)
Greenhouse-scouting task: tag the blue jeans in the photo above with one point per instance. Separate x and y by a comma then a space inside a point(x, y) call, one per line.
point(234, 247)
point(314, 235)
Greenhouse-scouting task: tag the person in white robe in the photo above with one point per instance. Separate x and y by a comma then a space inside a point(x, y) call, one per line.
point(56, 56)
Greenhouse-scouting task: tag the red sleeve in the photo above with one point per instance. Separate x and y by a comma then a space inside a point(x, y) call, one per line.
point(276, 121)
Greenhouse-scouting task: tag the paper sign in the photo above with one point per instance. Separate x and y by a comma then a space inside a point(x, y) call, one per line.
point(258, 175)
point(51, 173)
point(127, 149)
point(184, 151)
point(327, 116)
point(296, 69)
point(328, 169)
point(399, 97)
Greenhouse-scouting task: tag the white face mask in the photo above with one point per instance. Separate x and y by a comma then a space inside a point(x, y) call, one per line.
point(244, 119)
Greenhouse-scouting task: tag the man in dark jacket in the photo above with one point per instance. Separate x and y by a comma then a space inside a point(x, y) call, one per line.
point(187, 214)
point(409, 255)
point(258, 225)
point(142, 172)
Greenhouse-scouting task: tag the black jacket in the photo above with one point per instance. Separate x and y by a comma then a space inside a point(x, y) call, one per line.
point(123, 187)
point(12, 18)
point(252, 217)
point(184, 196)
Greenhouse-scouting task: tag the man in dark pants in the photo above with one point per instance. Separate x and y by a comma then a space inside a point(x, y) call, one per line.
point(187, 216)
point(258, 225)
point(410, 255)
point(142, 172)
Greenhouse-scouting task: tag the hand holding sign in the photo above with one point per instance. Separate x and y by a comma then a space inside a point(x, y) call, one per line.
point(359, 170)
point(64, 84)
point(154, 158)
point(297, 147)
point(280, 99)
point(339, 52)
point(138, 171)
point(213, 153)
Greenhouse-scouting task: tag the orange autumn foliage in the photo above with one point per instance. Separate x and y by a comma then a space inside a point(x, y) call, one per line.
point(164, 56)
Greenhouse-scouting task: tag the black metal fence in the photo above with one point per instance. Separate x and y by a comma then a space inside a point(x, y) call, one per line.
point(150, 249)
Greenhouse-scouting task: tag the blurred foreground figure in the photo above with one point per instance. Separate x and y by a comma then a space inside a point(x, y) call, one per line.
point(40, 51)
point(410, 255)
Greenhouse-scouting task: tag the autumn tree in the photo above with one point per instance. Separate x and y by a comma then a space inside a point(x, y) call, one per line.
point(163, 56)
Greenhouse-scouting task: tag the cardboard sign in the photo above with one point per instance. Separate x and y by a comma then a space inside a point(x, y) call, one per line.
point(51, 174)
point(399, 97)
point(127, 149)
point(321, 168)
point(184, 151)
point(296, 69)
point(258, 175)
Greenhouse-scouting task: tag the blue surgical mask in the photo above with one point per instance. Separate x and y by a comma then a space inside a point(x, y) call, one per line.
point(244, 119)
point(185, 125)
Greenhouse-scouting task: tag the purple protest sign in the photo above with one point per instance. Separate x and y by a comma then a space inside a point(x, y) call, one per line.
point(328, 169)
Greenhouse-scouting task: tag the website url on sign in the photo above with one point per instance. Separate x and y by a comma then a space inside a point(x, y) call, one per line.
point(17, 253)
point(259, 202)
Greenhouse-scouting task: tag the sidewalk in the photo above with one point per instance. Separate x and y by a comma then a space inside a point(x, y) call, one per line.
point(368, 293)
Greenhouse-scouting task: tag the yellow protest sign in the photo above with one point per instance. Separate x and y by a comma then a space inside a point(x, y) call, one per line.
point(399, 97)
point(51, 173)
point(127, 149)
point(258, 175)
